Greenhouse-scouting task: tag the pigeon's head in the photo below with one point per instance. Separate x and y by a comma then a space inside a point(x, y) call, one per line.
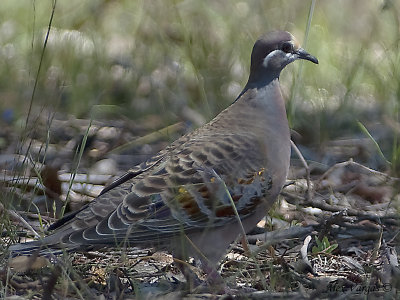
point(273, 51)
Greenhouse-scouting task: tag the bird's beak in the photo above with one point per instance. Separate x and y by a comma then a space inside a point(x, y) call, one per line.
point(303, 54)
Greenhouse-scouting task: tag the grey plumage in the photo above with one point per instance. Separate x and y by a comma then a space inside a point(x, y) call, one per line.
point(181, 194)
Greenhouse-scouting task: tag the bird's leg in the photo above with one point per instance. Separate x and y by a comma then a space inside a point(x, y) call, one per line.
point(213, 277)
point(192, 279)
point(214, 281)
point(245, 245)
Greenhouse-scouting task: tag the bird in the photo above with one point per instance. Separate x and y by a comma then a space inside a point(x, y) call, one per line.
point(196, 196)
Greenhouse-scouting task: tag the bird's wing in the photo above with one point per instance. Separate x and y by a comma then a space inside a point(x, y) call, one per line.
point(131, 173)
point(189, 188)
point(146, 165)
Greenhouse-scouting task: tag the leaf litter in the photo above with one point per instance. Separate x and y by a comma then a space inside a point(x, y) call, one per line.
point(333, 232)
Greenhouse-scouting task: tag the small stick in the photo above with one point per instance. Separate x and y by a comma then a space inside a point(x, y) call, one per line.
point(303, 161)
point(24, 222)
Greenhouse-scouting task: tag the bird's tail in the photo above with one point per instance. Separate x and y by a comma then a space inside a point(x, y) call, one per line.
point(25, 248)
point(44, 247)
point(47, 246)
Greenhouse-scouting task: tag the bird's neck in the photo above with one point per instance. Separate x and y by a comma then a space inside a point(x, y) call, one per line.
point(261, 101)
point(259, 80)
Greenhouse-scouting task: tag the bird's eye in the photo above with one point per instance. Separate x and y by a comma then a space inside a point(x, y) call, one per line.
point(287, 47)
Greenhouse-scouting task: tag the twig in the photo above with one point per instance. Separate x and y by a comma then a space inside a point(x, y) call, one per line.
point(277, 236)
point(306, 265)
point(333, 208)
point(358, 168)
point(24, 222)
point(303, 161)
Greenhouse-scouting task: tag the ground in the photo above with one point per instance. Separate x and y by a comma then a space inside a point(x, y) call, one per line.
point(333, 232)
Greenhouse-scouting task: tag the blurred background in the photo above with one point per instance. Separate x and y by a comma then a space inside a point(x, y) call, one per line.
point(155, 63)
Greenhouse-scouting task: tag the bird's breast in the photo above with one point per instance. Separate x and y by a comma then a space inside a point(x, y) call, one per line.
point(263, 115)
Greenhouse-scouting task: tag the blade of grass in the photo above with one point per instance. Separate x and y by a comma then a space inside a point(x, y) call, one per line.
point(149, 138)
point(244, 237)
point(75, 170)
point(366, 132)
point(292, 103)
